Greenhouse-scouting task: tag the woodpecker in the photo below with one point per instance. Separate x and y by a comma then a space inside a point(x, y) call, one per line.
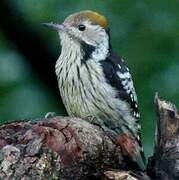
point(94, 81)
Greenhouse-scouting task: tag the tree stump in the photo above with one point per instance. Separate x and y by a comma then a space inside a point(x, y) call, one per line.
point(70, 148)
point(164, 164)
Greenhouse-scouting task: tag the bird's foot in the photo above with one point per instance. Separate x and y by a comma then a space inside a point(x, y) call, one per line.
point(94, 120)
point(97, 122)
point(50, 115)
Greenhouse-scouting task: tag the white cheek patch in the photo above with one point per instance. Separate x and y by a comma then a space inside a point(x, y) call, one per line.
point(102, 49)
point(101, 44)
point(98, 38)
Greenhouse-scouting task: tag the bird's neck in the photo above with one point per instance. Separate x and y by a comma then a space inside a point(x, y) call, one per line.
point(75, 52)
point(70, 56)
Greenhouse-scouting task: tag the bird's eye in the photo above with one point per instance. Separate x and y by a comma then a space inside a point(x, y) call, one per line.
point(81, 27)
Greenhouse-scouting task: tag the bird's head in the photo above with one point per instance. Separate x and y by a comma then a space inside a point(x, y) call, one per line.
point(85, 27)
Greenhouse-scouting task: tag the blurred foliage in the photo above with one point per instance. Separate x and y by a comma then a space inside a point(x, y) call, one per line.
point(145, 33)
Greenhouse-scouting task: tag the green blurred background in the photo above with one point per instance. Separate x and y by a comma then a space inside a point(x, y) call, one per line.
point(145, 33)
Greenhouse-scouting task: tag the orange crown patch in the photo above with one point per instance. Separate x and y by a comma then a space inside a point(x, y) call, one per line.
point(92, 15)
point(96, 17)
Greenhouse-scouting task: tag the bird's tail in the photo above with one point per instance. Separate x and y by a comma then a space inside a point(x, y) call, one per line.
point(139, 157)
point(133, 151)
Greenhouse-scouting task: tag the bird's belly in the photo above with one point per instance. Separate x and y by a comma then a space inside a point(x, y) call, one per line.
point(96, 99)
point(84, 101)
point(85, 94)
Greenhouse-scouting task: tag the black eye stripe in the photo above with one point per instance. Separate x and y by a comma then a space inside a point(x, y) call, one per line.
point(81, 27)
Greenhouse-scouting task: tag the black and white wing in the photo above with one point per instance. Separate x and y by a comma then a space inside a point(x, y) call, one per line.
point(118, 76)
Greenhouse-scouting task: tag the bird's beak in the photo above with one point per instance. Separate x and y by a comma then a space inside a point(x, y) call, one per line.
point(58, 27)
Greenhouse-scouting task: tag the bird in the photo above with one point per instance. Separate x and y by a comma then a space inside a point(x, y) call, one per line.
point(95, 83)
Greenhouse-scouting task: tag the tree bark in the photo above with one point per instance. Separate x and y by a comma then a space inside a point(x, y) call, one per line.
point(56, 148)
point(71, 148)
point(164, 164)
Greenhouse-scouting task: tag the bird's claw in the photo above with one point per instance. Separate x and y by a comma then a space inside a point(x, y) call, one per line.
point(50, 115)
point(93, 120)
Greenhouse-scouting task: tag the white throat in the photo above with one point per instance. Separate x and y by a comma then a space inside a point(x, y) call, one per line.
point(70, 53)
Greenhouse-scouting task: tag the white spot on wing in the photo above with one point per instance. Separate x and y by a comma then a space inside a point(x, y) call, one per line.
point(132, 97)
point(137, 115)
point(138, 126)
point(124, 75)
